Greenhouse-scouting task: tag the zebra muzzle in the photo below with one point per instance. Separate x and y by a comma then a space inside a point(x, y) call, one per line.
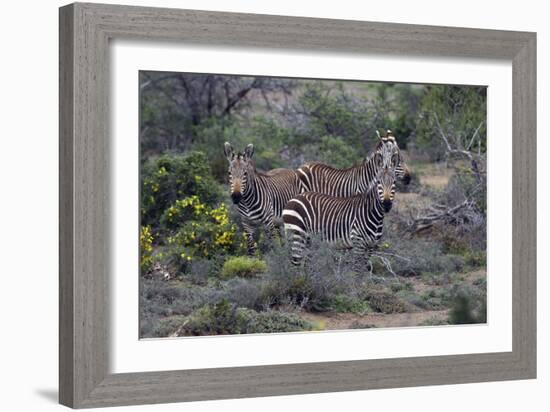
point(387, 204)
point(236, 197)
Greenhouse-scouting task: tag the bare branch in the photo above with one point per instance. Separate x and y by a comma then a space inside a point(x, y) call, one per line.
point(474, 136)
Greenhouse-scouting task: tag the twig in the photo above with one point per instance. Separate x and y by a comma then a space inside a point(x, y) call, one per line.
point(474, 136)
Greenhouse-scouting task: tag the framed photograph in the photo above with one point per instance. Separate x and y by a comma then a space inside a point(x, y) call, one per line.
point(256, 205)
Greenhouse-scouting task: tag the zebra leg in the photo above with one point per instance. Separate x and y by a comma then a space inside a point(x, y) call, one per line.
point(296, 242)
point(361, 255)
point(368, 249)
point(250, 243)
point(274, 232)
point(270, 229)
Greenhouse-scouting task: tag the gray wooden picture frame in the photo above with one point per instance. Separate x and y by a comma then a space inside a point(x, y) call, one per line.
point(85, 31)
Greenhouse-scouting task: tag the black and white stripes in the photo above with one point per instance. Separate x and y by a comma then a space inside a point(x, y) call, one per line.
point(353, 222)
point(342, 206)
point(322, 178)
point(260, 197)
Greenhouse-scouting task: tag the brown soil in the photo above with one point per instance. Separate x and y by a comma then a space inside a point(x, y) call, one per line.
point(332, 321)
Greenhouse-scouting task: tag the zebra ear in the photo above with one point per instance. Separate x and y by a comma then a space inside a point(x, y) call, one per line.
point(378, 134)
point(249, 151)
point(228, 151)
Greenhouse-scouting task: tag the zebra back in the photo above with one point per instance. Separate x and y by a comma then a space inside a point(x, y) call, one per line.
point(277, 187)
point(351, 222)
point(322, 178)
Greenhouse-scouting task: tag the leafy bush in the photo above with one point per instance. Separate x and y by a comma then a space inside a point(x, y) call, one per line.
point(347, 304)
point(326, 282)
point(243, 266)
point(203, 232)
point(170, 177)
point(457, 110)
point(146, 249)
point(468, 308)
point(246, 293)
point(333, 111)
point(274, 321)
point(268, 136)
point(334, 151)
point(385, 302)
point(224, 318)
point(160, 299)
point(419, 256)
point(168, 326)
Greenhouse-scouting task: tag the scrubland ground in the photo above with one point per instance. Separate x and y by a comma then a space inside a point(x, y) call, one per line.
point(433, 277)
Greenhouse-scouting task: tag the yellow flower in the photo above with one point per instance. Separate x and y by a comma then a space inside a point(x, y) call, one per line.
point(161, 172)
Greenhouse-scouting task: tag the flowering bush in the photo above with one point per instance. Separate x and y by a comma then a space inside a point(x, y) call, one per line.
point(168, 178)
point(146, 248)
point(199, 231)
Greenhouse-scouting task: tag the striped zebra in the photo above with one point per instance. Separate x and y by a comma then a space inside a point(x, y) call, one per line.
point(354, 222)
point(260, 197)
point(322, 178)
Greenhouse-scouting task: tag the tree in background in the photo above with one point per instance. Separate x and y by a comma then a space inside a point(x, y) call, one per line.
point(175, 105)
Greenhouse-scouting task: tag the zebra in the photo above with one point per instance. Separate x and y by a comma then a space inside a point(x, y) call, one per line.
point(354, 222)
point(259, 197)
point(322, 178)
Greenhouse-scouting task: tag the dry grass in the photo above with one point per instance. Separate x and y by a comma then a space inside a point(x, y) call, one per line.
point(339, 321)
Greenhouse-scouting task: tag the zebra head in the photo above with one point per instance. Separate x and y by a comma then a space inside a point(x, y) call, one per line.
point(385, 180)
point(240, 169)
point(401, 169)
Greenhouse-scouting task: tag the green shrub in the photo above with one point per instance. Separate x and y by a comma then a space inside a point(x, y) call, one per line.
point(242, 266)
point(168, 326)
point(325, 282)
point(424, 256)
point(245, 292)
point(224, 318)
point(457, 111)
point(206, 233)
point(468, 308)
point(385, 302)
point(170, 177)
point(334, 151)
point(274, 321)
point(146, 249)
point(346, 304)
point(160, 299)
point(265, 133)
point(333, 110)
point(398, 286)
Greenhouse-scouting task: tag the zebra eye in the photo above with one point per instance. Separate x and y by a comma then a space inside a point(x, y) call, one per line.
point(395, 160)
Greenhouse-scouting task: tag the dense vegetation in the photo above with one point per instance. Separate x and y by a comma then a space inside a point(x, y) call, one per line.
point(195, 276)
